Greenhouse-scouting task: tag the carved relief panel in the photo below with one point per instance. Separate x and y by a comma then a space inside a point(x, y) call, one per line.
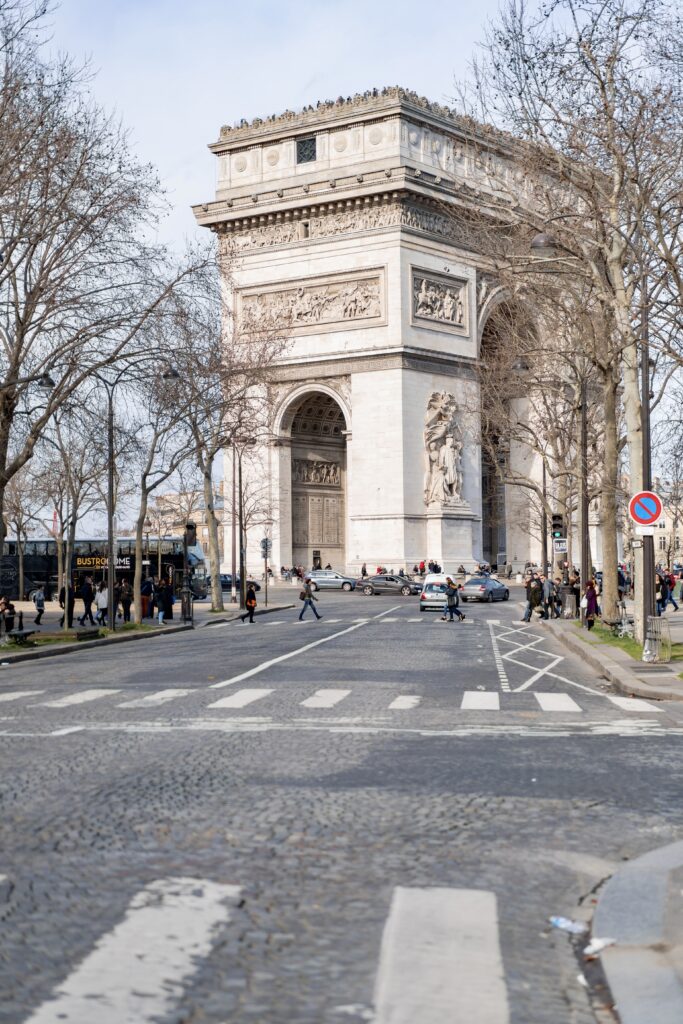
point(312, 304)
point(439, 302)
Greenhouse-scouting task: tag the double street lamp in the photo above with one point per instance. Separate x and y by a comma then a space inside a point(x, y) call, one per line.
point(238, 446)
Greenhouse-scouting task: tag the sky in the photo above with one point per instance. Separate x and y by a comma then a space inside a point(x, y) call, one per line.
point(174, 71)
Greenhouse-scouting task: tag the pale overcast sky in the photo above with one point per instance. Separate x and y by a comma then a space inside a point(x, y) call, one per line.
point(176, 70)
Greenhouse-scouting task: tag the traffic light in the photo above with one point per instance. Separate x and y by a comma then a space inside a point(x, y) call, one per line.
point(191, 534)
point(557, 527)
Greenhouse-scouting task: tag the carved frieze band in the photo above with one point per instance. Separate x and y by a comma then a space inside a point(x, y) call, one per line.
point(306, 306)
point(314, 471)
point(395, 214)
point(439, 302)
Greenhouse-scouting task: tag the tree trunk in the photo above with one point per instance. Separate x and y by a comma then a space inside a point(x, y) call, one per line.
point(61, 580)
point(137, 577)
point(20, 556)
point(610, 555)
point(68, 560)
point(214, 549)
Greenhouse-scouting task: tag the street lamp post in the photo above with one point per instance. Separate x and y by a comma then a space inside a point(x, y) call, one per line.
point(583, 489)
point(544, 524)
point(233, 584)
point(648, 583)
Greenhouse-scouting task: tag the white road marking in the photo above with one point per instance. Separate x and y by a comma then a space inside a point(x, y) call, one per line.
point(500, 668)
point(440, 959)
point(135, 973)
point(67, 732)
point(154, 699)
point(241, 698)
point(478, 700)
point(404, 703)
point(325, 698)
point(393, 618)
point(299, 650)
point(633, 704)
point(17, 694)
point(421, 619)
point(556, 702)
point(84, 697)
point(539, 672)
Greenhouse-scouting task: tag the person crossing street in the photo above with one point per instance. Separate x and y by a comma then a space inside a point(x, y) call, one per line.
point(308, 597)
point(250, 604)
point(452, 602)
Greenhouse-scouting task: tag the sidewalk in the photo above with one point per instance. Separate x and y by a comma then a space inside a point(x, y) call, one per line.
point(11, 653)
point(641, 908)
point(631, 677)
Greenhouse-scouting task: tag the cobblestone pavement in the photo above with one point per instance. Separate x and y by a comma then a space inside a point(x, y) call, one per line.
point(271, 787)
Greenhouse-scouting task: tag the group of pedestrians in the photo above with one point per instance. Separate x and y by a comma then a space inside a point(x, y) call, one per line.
point(99, 596)
point(157, 600)
point(666, 582)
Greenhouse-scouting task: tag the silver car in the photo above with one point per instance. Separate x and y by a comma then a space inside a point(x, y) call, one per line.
point(484, 588)
point(329, 579)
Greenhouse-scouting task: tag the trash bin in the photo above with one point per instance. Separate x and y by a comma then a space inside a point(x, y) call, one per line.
point(568, 600)
point(657, 646)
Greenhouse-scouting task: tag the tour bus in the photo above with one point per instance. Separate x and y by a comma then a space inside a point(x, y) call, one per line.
point(160, 557)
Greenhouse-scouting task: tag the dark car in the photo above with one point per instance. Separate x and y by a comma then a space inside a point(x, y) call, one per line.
point(388, 584)
point(483, 588)
point(226, 582)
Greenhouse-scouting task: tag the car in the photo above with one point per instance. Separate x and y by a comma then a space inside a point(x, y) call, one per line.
point(484, 588)
point(433, 596)
point(389, 584)
point(329, 579)
point(226, 582)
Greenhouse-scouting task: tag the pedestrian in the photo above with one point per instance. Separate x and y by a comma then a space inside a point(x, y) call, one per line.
point(160, 598)
point(452, 602)
point(39, 602)
point(661, 592)
point(146, 598)
point(364, 571)
point(308, 597)
point(671, 582)
point(117, 599)
point(102, 603)
point(558, 600)
point(69, 600)
point(87, 598)
point(250, 604)
point(165, 600)
point(126, 598)
point(589, 603)
point(548, 597)
point(531, 583)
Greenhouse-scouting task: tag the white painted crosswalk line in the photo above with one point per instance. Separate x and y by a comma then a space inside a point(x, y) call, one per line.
point(404, 703)
point(17, 694)
point(135, 973)
point(480, 700)
point(556, 702)
point(420, 619)
point(84, 697)
point(241, 698)
point(392, 618)
point(325, 698)
point(154, 699)
point(633, 704)
point(440, 959)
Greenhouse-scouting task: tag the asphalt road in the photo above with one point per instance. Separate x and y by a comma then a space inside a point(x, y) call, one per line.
point(366, 818)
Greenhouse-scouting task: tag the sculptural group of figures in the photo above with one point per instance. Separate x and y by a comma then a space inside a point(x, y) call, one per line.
point(439, 302)
point(443, 477)
point(325, 304)
point(311, 471)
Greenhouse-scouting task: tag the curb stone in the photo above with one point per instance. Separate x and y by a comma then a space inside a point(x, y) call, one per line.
point(619, 673)
point(634, 910)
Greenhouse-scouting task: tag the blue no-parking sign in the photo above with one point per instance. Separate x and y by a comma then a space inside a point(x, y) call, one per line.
point(645, 508)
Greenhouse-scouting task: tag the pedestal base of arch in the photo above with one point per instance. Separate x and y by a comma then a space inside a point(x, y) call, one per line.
point(451, 534)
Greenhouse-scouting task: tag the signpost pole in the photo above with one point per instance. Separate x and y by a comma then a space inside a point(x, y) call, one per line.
point(111, 554)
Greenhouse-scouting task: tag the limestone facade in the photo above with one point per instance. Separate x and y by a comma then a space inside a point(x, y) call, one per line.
point(350, 222)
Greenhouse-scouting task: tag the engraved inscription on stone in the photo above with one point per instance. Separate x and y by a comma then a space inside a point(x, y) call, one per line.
point(300, 520)
point(331, 521)
point(315, 520)
point(439, 300)
point(314, 471)
point(319, 302)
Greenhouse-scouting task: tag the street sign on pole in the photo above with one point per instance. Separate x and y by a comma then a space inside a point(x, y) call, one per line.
point(644, 531)
point(645, 508)
point(560, 545)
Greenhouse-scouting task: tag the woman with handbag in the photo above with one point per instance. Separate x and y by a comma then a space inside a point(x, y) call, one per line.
point(307, 596)
point(250, 603)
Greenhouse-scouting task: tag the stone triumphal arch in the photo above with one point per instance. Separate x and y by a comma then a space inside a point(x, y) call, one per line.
point(349, 221)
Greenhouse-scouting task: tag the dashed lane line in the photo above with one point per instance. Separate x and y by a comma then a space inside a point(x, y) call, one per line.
point(299, 650)
point(17, 694)
point(500, 669)
point(325, 698)
point(440, 959)
point(84, 697)
point(241, 698)
point(154, 699)
point(138, 970)
point(405, 703)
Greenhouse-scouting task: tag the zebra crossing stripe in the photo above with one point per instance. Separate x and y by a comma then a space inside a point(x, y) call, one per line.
point(84, 697)
point(137, 970)
point(440, 959)
point(325, 698)
point(633, 704)
point(556, 702)
point(154, 699)
point(480, 700)
point(404, 703)
point(241, 698)
point(16, 694)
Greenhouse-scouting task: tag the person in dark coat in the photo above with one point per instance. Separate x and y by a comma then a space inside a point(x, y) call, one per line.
point(591, 608)
point(164, 602)
point(69, 611)
point(87, 595)
point(250, 603)
point(126, 598)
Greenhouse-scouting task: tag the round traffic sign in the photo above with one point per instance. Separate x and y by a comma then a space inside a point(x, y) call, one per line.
point(645, 508)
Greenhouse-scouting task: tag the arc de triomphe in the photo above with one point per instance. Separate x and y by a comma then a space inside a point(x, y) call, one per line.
point(344, 218)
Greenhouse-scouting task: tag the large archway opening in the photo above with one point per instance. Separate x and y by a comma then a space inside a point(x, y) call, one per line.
point(317, 429)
